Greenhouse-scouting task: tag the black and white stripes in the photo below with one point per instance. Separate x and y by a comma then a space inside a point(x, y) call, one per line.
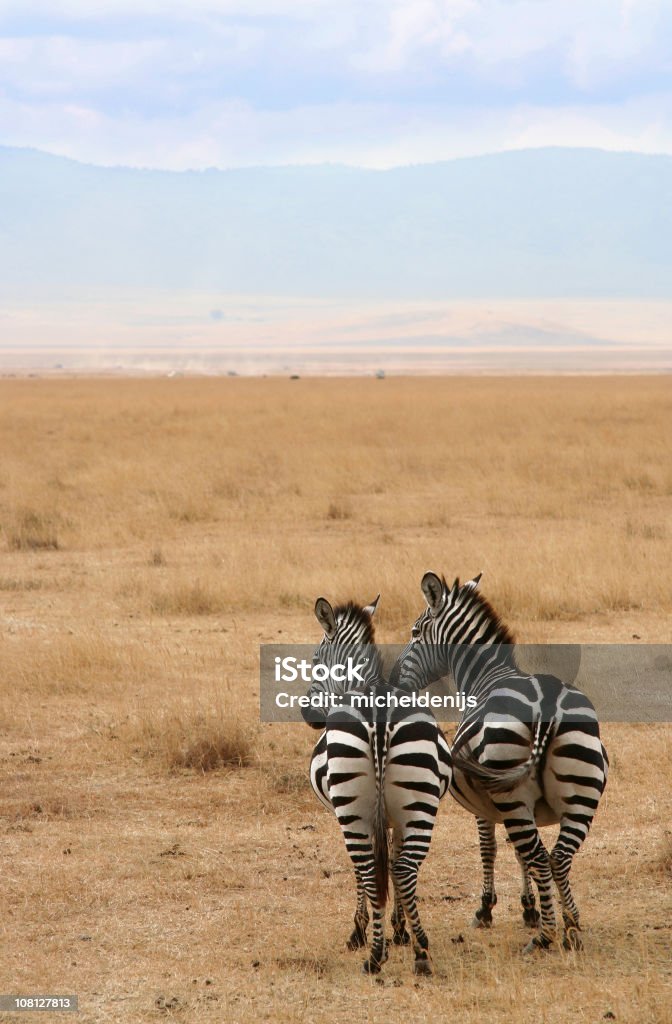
point(528, 754)
point(376, 772)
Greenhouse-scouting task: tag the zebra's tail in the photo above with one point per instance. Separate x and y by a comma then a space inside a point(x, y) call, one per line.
point(502, 780)
point(381, 852)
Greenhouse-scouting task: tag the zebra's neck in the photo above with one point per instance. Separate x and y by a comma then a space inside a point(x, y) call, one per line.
point(475, 646)
point(477, 668)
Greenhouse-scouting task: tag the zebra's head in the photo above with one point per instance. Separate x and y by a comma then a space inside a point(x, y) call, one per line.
point(425, 658)
point(348, 634)
point(347, 660)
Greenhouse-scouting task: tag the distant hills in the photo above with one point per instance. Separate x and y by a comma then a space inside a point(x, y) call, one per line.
point(534, 223)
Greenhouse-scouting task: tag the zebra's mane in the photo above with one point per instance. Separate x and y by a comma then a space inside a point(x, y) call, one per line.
point(356, 613)
point(471, 598)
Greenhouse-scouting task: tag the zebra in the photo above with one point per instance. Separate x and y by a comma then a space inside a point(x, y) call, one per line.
point(376, 770)
point(528, 753)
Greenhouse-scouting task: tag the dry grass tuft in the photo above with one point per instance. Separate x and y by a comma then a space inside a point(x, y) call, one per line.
point(187, 599)
point(664, 862)
point(50, 808)
point(648, 531)
point(194, 737)
point(29, 530)
point(305, 964)
point(231, 749)
point(290, 782)
point(8, 583)
point(640, 482)
point(339, 510)
point(47, 799)
point(192, 511)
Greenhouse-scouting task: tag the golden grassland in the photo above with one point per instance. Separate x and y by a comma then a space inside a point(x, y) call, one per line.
point(162, 854)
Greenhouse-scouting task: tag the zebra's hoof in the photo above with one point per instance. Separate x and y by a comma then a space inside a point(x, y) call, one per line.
point(422, 966)
point(401, 938)
point(371, 967)
point(356, 941)
point(481, 922)
point(531, 917)
point(538, 943)
point(572, 940)
point(483, 916)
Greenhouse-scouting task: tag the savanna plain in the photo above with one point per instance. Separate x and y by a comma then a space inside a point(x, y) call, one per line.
point(161, 852)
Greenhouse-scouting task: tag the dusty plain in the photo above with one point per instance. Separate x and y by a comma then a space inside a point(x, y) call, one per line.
point(161, 853)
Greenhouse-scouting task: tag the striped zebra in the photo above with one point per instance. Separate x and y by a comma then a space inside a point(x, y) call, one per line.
point(528, 754)
point(377, 769)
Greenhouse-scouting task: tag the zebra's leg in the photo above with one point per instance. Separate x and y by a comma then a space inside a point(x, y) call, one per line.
point(378, 951)
point(530, 912)
point(405, 871)
point(364, 863)
point(572, 833)
point(488, 845)
point(358, 937)
point(523, 833)
point(400, 936)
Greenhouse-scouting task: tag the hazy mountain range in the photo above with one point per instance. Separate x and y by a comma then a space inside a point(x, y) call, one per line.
point(549, 222)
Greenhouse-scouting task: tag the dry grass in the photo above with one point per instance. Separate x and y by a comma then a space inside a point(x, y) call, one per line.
point(187, 598)
point(67, 663)
point(665, 856)
point(29, 530)
point(193, 520)
point(455, 474)
point(7, 583)
point(194, 736)
point(157, 557)
point(339, 510)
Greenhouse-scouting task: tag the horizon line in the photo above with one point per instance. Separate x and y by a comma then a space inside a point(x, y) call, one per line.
point(336, 165)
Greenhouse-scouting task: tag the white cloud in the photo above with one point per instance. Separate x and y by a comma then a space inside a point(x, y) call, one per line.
point(93, 10)
point(640, 126)
point(593, 42)
point(407, 30)
point(626, 37)
point(190, 87)
point(60, 64)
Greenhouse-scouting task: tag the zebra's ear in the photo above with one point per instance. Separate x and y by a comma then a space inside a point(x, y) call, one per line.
point(433, 589)
point(325, 616)
point(371, 608)
point(473, 584)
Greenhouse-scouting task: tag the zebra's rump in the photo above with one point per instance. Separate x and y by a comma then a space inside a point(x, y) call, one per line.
point(414, 757)
point(536, 739)
point(418, 770)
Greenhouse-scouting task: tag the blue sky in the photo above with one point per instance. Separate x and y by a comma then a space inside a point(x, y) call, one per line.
point(376, 83)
